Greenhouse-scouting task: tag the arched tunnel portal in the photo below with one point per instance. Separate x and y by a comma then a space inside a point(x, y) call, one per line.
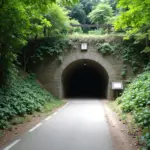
point(85, 78)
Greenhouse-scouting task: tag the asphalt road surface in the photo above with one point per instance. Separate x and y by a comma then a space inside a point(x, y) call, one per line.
point(79, 125)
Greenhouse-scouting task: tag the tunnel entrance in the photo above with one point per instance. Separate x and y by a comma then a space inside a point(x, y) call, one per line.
point(85, 79)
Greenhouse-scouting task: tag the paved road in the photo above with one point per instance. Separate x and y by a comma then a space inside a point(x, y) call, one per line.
point(80, 125)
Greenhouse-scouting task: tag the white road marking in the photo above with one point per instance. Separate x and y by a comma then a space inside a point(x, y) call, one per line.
point(55, 113)
point(11, 145)
point(66, 104)
point(59, 110)
point(35, 127)
point(49, 117)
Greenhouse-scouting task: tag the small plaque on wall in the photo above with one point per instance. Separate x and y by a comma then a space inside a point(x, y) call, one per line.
point(117, 85)
point(84, 46)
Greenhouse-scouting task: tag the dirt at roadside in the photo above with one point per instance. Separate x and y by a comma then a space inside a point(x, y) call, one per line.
point(121, 139)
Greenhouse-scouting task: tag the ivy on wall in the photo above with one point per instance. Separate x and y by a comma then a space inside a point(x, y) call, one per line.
point(40, 49)
point(128, 51)
point(53, 47)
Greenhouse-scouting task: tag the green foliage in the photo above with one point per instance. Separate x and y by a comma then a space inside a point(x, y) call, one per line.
point(53, 47)
point(58, 16)
point(101, 14)
point(128, 50)
point(22, 20)
point(145, 139)
point(75, 29)
point(136, 99)
point(42, 48)
point(95, 38)
point(124, 71)
point(147, 67)
point(134, 19)
point(105, 48)
point(78, 13)
point(142, 115)
point(137, 94)
point(81, 10)
point(97, 32)
point(113, 44)
point(50, 106)
point(24, 96)
point(66, 2)
point(17, 120)
point(50, 47)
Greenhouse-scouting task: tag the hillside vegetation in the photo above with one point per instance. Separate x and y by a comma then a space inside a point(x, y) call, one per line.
point(23, 96)
point(32, 30)
point(136, 100)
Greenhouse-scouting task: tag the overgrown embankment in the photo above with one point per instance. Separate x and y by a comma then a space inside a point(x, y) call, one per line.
point(135, 101)
point(24, 95)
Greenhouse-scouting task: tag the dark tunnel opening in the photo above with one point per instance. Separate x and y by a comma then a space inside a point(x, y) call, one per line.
point(85, 79)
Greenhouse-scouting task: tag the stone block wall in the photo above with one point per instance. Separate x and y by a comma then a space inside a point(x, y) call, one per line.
point(49, 72)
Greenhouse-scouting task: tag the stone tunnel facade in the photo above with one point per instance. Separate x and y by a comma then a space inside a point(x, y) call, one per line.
point(55, 75)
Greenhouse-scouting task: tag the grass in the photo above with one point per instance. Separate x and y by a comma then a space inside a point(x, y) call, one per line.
point(126, 118)
point(50, 106)
point(90, 38)
point(47, 109)
point(95, 36)
point(18, 120)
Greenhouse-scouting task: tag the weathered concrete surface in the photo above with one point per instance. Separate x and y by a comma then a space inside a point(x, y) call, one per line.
point(81, 125)
point(50, 72)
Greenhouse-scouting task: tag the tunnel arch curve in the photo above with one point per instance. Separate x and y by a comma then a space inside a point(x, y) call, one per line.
point(77, 56)
point(84, 78)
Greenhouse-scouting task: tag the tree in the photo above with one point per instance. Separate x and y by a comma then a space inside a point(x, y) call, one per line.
point(75, 29)
point(58, 16)
point(113, 4)
point(81, 10)
point(78, 13)
point(20, 20)
point(101, 14)
point(65, 2)
point(134, 19)
point(87, 6)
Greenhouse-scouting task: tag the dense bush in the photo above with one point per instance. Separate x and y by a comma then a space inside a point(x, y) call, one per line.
point(38, 50)
point(97, 32)
point(24, 96)
point(136, 99)
point(105, 48)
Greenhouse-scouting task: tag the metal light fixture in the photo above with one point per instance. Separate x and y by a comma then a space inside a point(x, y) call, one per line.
point(84, 62)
